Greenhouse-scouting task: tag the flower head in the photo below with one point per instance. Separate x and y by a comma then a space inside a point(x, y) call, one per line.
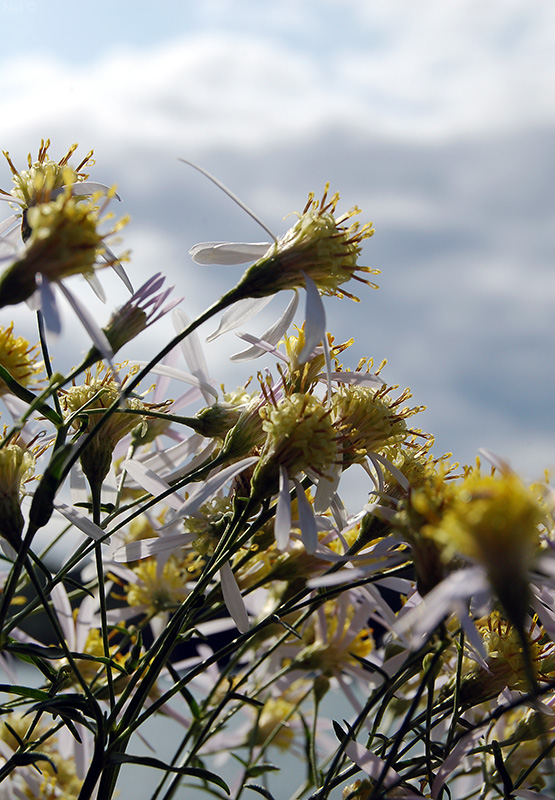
point(18, 357)
point(369, 420)
point(319, 246)
point(64, 240)
point(43, 180)
point(17, 463)
point(495, 520)
point(300, 436)
point(99, 391)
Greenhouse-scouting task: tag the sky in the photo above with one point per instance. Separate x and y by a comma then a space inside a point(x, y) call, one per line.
point(436, 119)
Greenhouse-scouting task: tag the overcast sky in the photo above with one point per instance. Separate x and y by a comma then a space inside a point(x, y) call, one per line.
point(436, 119)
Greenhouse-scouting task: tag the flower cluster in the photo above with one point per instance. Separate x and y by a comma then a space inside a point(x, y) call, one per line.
point(188, 557)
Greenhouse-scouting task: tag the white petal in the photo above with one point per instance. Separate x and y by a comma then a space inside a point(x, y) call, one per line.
point(315, 315)
point(96, 333)
point(209, 488)
point(88, 187)
point(233, 599)
point(458, 587)
point(369, 762)
point(326, 489)
point(228, 252)
point(117, 266)
point(178, 374)
point(135, 551)
point(8, 223)
point(273, 335)
point(150, 481)
point(193, 353)
point(454, 759)
point(62, 606)
point(309, 529)
point(282, 524)
point(239, 312)
point(47, 304)
point(357, 378)
point(84, 524)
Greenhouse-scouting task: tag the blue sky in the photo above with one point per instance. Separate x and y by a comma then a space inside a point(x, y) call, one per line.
point(436, 119)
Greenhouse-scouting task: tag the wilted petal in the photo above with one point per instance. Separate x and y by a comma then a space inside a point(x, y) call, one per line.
point(282, 524)
point(233, 599)
point(135, 551)
point(239, 312)
point(273, 335)
point(315, 325)
point(213, 485)
point(84, 524)
point(151, 482)
point(309, 529)
point(227, 253)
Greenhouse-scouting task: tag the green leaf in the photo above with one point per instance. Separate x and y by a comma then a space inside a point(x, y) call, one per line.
point(29, 398)
point(24, 691)
point(261, 769)
point(260, 790)
point(156, 763)
point(30, 757)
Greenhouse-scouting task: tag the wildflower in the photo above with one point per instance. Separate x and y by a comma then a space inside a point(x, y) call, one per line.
point(141, 311)
point(17, 463)
point(157, 587)
point(42, 182)
point(318, 245)
point(64, 240)
point(319, 252)
point(60, 231)
point(100, 392)
point(18, 357)
point(495, 521)
point(334, 639)
point(369, 420)
point(300, 436)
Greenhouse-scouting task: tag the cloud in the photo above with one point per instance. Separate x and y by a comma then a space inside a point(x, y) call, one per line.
point(438, 123)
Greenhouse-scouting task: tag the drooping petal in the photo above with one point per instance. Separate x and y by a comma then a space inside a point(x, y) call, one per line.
point(213, 485)
point(193, 353)
point(370, 763)
point(86, 525)
point(454, 759)
point(315, 326)
point(64, 612)
point(227, 253)
point(143, 548)
point(151, 482)
point(46, 301)
point(178, 374)
point(239, 312)
point(309, 529)
point(273, 335)
point(233, 599)
point(282, 525)
point(98, 337)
